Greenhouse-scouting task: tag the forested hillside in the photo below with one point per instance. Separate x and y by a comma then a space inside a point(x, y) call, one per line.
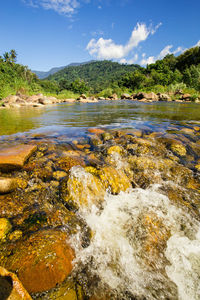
point(97, 75)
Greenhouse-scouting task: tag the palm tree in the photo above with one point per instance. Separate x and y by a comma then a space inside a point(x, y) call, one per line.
point(6, 56)
point(13, 56)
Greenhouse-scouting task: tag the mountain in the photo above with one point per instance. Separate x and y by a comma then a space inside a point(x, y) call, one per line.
point(43, 74)
point(96, 74)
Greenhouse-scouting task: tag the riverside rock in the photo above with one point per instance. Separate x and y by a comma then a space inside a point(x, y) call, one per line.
point(15, 157)
point(164, 97)
point(125, 96)
point(42, 261)
point(11, 288)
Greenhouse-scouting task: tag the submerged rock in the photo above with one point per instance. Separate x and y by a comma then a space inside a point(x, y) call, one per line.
point(42, 261)
point(66, 291)
point(7, 185)
point(178, 149)
point(67, 162)
point(15, 157)
point(5, 227)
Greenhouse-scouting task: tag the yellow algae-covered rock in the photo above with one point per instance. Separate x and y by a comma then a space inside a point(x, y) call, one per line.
point(42, 261)
point(15, 235)
point(154, 238)
point(142, 163)
point(11, 288)
point(21, 183)
point(92, 170)
point(115, 149)
point(15, 157)
point(67, 162)
point(198, 167)
point(83, 188)
point(138, 149)
point(59, 175)
point(5, 227)
point(187, 130)
point(178, 149)
point(115, 180)
point(67, 291)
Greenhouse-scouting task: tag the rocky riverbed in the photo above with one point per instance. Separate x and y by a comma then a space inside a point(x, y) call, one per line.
point(65, 206)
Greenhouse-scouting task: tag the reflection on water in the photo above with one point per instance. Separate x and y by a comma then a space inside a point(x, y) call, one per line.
point(66, 118)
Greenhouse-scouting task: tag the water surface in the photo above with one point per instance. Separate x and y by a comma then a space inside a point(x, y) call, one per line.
point(74, 119)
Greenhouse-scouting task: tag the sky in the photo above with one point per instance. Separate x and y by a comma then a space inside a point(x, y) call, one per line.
point(53, 33)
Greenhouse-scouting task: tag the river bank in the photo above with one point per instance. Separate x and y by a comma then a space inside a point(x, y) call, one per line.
point(102, 216)
point(39, 100)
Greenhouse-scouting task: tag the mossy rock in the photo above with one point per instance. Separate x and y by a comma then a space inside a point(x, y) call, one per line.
point(5, 227)
point(178, 149)
point(66, 291)
point(114, 180)
point(115, 149)
point(67, 162)
point(82, 188)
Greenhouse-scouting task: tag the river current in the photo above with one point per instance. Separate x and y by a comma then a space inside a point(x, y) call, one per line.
point(119, 262)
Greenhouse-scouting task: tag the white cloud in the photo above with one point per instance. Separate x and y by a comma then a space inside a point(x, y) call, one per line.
point(107, 49)
point(167, 50)
point(197, 44)
point(156, 28)
point(64, 7)
point(129, 61)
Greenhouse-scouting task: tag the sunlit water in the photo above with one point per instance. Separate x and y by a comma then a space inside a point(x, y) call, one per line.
point(123, 261)
point(74, 119)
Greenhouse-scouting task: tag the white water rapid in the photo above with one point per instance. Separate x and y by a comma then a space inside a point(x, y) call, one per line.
point(142, 247)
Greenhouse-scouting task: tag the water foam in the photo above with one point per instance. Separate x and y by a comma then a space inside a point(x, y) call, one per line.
point(141, 245)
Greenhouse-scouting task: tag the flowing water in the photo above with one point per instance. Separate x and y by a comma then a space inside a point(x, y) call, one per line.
point(143, 245)
point(73, 119)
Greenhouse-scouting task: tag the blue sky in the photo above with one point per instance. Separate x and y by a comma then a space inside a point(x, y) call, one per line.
point(49, 33)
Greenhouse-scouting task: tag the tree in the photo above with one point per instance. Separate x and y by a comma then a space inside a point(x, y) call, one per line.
point(6, 57)
point(10, 57)
point(13, 56)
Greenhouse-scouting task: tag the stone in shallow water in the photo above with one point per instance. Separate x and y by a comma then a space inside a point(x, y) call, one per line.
point(178, 149)
point(5, 227)
point(15, 157)
point(42, 261)
point(7, 185)
point(11, 288)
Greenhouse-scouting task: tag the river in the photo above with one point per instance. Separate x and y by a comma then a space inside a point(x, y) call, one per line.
point(140, 239)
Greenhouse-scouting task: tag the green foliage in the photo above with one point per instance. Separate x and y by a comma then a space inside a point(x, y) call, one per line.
point(98, 75)
point(50, 86)
point(170, 71)
point(176, 87)
point(104, 78)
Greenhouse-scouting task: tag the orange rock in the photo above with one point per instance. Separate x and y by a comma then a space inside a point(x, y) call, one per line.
point(15, 157)
point(11, 288)
point(96, 130)
point(42, 261)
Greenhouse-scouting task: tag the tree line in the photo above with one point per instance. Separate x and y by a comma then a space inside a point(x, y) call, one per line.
point(104, 77)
